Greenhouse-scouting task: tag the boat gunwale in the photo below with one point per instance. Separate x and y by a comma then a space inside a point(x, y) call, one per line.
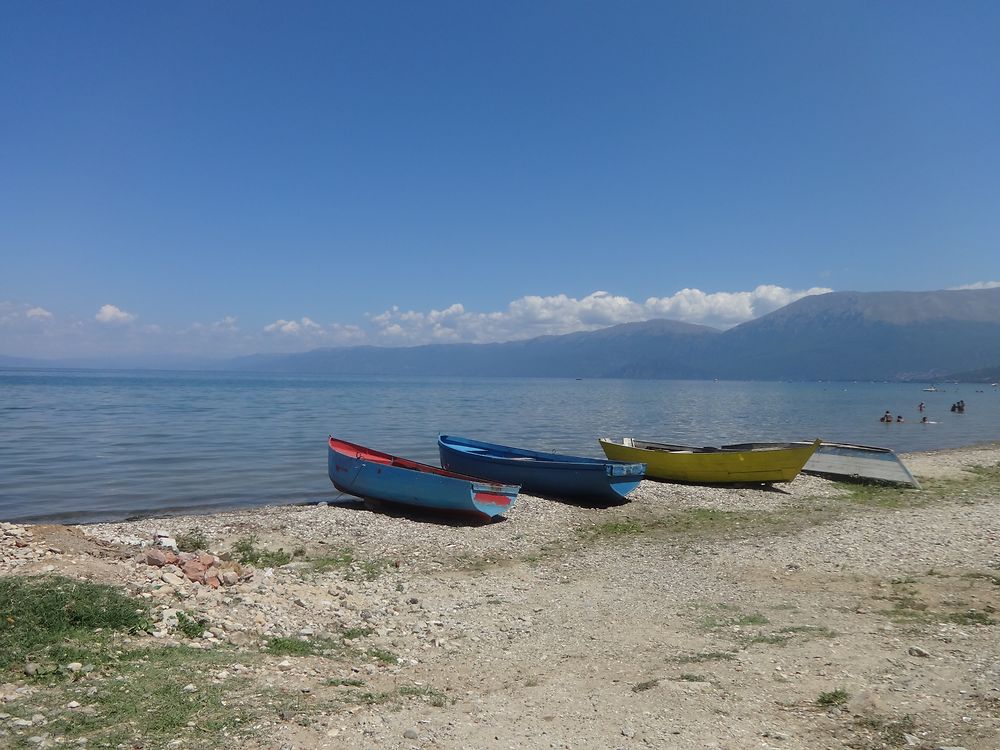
point(539, 459)
point(397, 462)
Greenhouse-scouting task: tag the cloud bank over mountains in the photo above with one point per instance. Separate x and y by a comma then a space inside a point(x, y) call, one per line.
point(32, 330)
point(536, 316)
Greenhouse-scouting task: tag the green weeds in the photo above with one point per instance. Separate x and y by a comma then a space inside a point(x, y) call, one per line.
point(837, 697)
point(53, 618)
point(248, 553)
point(192, 540)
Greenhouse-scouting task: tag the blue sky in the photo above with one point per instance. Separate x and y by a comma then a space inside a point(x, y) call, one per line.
point(216, 178)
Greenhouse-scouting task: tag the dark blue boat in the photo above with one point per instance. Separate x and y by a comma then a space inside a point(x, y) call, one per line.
point(550, 474)
point(372, 474)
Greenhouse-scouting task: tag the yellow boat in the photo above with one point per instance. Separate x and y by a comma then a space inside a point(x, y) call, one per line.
point(730, 464)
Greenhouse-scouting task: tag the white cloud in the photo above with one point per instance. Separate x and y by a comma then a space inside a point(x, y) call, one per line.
point(535, 315)
point(293, 327)
point(38, 313)
point(308, 330)
point(113, 314)
point(978, 285)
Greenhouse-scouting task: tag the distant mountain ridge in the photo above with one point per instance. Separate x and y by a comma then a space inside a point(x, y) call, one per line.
point(834, 336)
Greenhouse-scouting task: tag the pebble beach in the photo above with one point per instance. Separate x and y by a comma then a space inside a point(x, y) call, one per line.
point(809, 615)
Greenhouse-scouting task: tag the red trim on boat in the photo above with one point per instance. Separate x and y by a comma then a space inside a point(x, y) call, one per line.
point(492, 498)
point(353, 450)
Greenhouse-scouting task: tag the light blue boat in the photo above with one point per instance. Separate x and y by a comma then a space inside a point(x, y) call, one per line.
point(572, 478)
point(368, 473)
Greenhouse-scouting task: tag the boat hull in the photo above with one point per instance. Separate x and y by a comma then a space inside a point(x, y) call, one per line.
point(365, 473)
point(777, 462)
point(572, 478)
point(859, 463)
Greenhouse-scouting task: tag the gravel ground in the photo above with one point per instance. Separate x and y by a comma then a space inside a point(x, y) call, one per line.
point(691, 617)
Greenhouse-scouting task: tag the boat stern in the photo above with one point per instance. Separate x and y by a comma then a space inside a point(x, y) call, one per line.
point(491, 499)
point(624, 477)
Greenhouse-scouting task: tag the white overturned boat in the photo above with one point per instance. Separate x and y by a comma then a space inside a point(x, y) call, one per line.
point(851, 463)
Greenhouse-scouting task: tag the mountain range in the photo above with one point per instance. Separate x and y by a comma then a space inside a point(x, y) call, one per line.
point(834, 336)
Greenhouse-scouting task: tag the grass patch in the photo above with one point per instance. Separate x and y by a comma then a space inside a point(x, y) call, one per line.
point(349, 634)
point(380, 654)
point(190, 626)
point(883, 496)
point(714, 622)
point(192, 540)
point(690, 677)
point(816, 631)
point(890, 731)
point(427, 694)
point(341, 559)
point(706, 656)
point(282, 646)
point(971, 617)
point(836, 697)
point(55, 618)
point(647, 685)
point(248, 553)
point(994, 579)
point(701, 521)
point(144, 704)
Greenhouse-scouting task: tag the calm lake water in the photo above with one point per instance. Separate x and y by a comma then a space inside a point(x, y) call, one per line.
point(95, 445)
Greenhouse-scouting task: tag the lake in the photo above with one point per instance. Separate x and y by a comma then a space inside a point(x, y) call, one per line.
point(87, 445)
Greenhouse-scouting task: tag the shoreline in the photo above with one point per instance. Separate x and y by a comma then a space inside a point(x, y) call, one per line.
point(347, 500)
point(816, 615)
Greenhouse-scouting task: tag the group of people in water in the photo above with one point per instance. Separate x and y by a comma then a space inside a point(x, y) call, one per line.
point(958, 406)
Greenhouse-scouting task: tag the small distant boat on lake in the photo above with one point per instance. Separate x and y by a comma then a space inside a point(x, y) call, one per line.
point(371, 474)
point(932, 389)
point(729, 464)
point(859, 463)
point(571, 478)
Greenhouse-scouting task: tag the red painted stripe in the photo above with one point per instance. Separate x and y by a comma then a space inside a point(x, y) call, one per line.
point(492, 498)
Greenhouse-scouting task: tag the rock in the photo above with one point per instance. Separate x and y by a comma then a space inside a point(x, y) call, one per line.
point(167, 542)
point(31, 668)
point(230, 578)
point(74, 666)
point(190, 688)
point(284, 665)
point(239, 638)
point(194, 571)
point(411, 734)
point(73, 704)
point(154, 557)
point(172, 579)
point(917, 651)
point(413, 600)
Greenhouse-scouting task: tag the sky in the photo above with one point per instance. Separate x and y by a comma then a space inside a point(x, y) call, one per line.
point(223, 178)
